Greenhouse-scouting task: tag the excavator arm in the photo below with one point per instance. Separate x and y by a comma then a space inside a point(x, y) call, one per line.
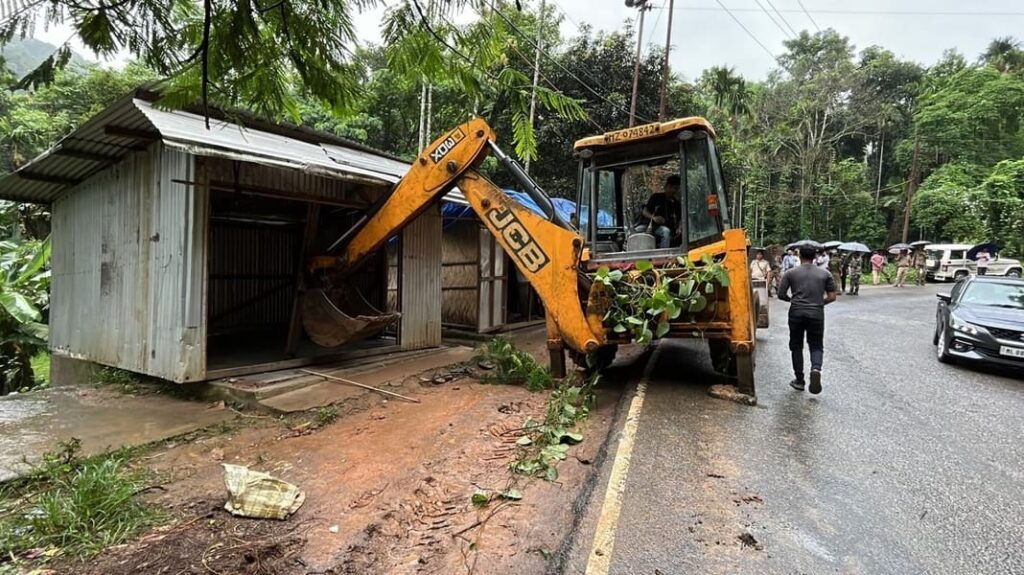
point(546, 250)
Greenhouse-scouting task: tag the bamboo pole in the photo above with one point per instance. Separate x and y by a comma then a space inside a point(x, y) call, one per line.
point(357, 384)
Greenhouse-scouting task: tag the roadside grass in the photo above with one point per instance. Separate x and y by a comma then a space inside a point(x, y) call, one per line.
point(72, 506)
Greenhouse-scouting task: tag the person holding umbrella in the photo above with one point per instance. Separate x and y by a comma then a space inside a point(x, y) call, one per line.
point(920, 264)
point(853, 263)
point(902, 267)
point(983, 258)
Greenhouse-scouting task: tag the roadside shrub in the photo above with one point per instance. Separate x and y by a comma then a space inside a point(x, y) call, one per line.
point(24, 298)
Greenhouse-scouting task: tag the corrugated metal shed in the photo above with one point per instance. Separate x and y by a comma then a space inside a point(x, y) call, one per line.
point(128, 268)
point(132, 123)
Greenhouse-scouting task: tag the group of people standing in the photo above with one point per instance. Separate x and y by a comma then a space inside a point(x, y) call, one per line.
point(844, 267)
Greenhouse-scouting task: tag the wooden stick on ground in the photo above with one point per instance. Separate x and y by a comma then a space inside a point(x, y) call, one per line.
point(357, 384)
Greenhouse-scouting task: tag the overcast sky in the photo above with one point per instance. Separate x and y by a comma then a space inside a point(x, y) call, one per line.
point(705, 35)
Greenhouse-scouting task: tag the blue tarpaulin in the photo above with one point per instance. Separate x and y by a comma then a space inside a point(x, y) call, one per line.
point(565, 208)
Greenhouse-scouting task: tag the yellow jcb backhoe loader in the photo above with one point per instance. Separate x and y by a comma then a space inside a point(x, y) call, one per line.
point(559, 259)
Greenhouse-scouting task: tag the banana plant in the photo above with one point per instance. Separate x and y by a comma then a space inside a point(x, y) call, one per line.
point(24, 298)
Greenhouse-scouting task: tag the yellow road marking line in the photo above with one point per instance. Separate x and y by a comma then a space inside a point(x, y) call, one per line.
point(604, 537)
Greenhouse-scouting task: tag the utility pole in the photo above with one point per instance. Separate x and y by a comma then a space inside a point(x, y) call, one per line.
point(665, 73)
point(911, 188)
point(536, 74)
point(881, 158)
point(643, 7)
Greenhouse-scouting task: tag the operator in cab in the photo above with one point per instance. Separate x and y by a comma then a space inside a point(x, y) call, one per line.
point(661, 213)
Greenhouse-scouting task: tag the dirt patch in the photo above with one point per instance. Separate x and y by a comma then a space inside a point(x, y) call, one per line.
point(388, 488)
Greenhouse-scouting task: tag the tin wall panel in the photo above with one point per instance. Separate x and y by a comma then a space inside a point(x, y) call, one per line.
point(128, 265)
point(420, 285)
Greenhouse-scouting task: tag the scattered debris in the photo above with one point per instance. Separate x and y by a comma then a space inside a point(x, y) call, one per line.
point(217, 454)
point(486, 364)
point(716, 476)
point(257, 494)
point(333, 529)
point(748, 540)
point(357, 384)
point(730, 393)
point(748, 499)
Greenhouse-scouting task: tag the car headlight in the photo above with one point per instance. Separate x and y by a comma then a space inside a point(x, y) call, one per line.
point(963, 326)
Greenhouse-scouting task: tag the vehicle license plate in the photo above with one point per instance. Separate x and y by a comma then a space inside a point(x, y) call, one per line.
point(1011, 351)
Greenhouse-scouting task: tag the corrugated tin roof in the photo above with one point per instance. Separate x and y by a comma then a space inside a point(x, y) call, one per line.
point(133, 123)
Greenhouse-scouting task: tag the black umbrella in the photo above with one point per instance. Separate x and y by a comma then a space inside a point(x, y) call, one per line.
point(991, 248)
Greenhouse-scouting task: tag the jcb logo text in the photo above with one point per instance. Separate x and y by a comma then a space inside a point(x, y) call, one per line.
point(523, 247)
point(447, 145)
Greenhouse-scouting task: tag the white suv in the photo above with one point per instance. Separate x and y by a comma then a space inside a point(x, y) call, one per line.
point(949, 262)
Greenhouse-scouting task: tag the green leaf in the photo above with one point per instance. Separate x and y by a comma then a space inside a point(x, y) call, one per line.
point(644, 265)
point(511, 494)
point(37, 330)
point(634, 321)
point(572, 437)
point(19, 307)
point(619, 328)
point(709, 288)
point(524, 441)
point(662, 329)
point(551, 474)
point(615, 275)
point(39, 259)
point(480, 498)
point(698, 304)
point(569, 410)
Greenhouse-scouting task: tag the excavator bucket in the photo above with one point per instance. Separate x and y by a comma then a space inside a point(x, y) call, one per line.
point(328, 326)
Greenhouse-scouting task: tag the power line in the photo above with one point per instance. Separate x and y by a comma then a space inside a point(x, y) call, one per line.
point(533, 44)
point(783, 18)
point(808, 14)
point(772, 18)
point(749, 33)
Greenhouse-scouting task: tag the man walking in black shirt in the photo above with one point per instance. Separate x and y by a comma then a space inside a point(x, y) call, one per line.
point(809, 289)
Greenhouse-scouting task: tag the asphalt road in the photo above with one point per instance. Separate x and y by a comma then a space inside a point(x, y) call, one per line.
point(902, 465)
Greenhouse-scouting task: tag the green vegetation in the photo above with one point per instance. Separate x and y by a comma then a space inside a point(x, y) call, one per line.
point(72, 506)
point(643, 302)
point(326, 415)
point(512, 366)
point(547, 442)
point(24, 296)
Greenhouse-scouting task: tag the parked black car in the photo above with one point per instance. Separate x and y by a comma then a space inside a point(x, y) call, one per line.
point(982, 319)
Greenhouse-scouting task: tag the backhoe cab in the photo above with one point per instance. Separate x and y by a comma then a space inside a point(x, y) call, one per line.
point(618, 173)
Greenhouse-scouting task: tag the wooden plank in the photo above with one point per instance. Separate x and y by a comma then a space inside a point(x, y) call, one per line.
point(308, 240)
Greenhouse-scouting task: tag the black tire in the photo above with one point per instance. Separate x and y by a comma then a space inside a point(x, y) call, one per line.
point(1014, 273)
point(942, 347)
point(935, 334)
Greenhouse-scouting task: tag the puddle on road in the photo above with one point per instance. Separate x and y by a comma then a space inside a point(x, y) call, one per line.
point(33, 423)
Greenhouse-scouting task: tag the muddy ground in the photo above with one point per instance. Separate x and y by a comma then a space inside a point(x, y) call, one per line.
point(388, 490)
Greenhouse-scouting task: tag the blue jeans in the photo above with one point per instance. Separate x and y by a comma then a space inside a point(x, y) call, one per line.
point(661, 233)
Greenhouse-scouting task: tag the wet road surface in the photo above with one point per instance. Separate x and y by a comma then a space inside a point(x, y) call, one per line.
point(902, 465)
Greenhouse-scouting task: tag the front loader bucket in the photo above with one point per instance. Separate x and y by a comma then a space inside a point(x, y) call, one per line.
point(328, 326)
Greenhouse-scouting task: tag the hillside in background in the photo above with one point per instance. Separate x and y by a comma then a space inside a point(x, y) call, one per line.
point(22, 56)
